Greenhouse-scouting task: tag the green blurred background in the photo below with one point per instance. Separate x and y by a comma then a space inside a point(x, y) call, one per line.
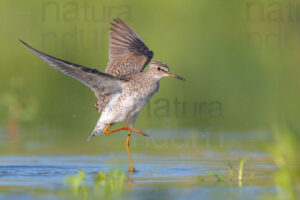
point(240, 59)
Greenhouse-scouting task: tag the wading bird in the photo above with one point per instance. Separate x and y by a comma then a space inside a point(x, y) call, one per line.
point(124, 89)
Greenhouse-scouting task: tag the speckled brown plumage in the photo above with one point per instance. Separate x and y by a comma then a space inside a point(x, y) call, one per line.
point(127, 54)
point(124, 88)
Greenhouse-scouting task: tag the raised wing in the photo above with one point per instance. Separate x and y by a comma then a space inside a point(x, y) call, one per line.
point(99, 82)
point(128, 53)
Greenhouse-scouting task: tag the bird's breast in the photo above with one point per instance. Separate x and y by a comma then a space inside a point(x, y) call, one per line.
point(128, 104)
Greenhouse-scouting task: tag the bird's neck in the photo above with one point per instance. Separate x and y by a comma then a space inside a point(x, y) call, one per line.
point(148, 75)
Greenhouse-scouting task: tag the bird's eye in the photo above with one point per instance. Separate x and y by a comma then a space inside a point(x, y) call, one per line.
point(158, 68)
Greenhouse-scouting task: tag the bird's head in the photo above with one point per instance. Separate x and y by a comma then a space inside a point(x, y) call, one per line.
point(160, 70)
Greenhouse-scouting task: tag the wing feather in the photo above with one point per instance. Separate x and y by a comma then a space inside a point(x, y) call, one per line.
point(128, 53)
point(101, 83)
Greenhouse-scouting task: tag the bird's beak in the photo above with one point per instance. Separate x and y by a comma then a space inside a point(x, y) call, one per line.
point(175, 76)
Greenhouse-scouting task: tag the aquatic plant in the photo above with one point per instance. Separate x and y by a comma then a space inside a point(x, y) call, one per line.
point(220, 177)
point(230, 172)
point(109, 183)
point(285, 153)
point(200, 178)
point(76, 181)
point(103, 184)
point(230, 176)
point(242, 161)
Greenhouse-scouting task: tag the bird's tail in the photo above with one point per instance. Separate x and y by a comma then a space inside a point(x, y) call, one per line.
point(98, 130)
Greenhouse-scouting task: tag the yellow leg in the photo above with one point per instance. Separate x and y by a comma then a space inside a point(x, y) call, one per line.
point(106, 131)
point(131, 169)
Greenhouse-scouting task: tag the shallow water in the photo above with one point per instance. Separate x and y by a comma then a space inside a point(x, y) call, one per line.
point(168, 177)
point(179, 165)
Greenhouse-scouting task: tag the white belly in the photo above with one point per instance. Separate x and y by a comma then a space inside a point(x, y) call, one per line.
point(125, 107)
point(123, 111)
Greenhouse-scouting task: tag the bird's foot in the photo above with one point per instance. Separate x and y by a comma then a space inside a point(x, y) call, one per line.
point(131, 169)
point(144, 134)
point(138, 131)
point(106, 131)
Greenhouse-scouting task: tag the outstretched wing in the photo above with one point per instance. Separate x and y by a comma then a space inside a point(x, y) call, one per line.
point(128, 53)
point(99, 82)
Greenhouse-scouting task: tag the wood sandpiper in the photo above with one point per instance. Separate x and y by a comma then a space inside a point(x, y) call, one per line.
point(124, 89)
